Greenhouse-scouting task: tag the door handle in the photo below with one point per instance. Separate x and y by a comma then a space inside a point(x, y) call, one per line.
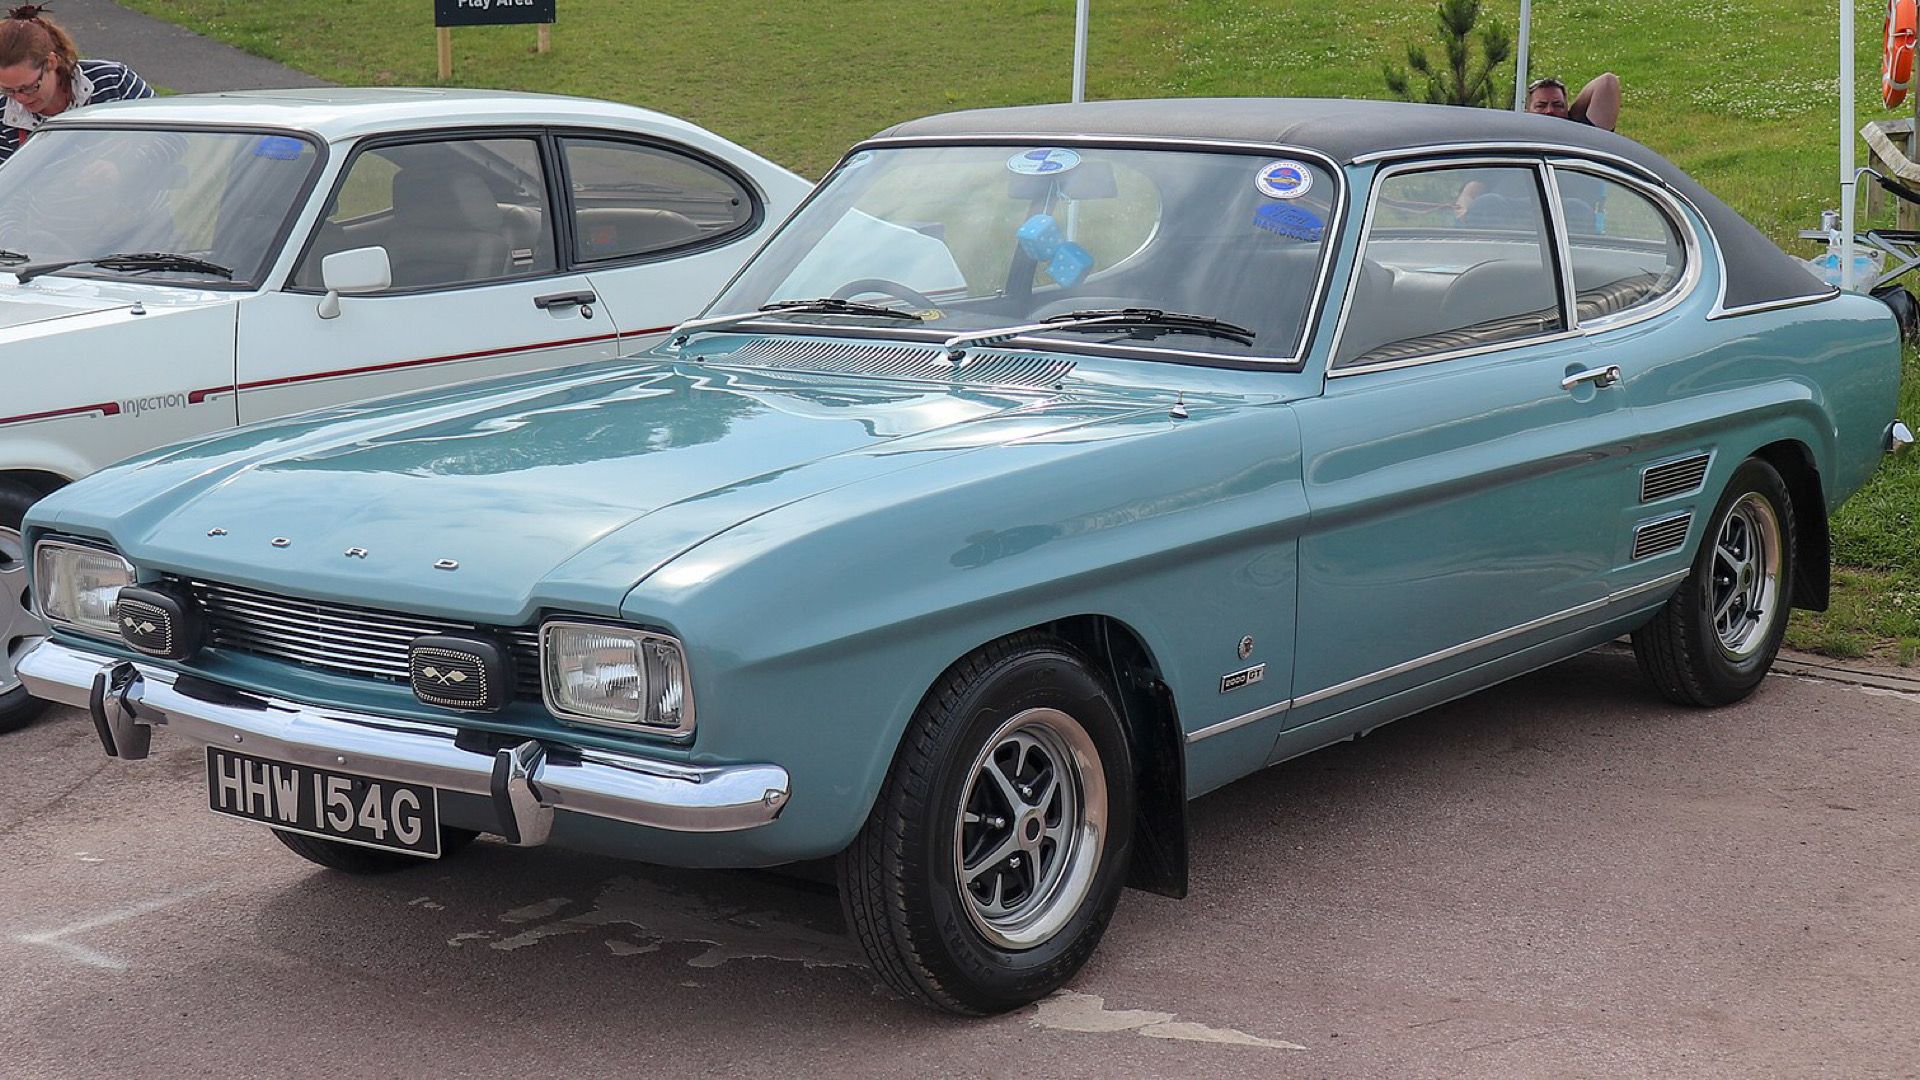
point(1600, 377)
point(580, 298)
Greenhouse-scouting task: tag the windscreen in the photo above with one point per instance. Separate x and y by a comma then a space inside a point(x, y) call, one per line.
point(218, 196)
point(977, 237)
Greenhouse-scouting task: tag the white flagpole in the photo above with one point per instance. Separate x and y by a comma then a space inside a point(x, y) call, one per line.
point(1520, 61)
point(1847, 179)
point(1080, 50)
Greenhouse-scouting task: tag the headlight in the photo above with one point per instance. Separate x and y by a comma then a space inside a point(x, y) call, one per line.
point(608, 675)
point(76, 586)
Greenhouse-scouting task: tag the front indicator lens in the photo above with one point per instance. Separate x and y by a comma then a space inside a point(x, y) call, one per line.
point(76, 586)
point(608, 675)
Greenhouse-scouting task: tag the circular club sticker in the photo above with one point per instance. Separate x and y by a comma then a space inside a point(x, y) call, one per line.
point(1284, 180)
point(1042, 162)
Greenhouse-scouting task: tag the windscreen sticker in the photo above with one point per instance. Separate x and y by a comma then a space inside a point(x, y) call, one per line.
point(1043, 162)
point(1295, 222)
point(1284, 180)
point(279, 147)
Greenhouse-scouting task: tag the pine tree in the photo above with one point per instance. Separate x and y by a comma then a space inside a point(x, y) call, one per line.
point(1460, 78)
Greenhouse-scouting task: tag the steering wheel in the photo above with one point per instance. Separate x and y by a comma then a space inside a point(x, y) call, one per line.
point(885, 287)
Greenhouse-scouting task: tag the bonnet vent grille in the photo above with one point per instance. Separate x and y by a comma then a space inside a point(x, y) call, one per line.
point(1672, 477)
point(900, 362)
point(1661, 536)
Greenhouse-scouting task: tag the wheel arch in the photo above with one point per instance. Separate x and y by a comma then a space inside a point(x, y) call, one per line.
point(1812, 565)
point(38, 481)
point(1158, 743)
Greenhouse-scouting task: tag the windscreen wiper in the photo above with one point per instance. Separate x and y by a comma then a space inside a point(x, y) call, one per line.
point(1135, 319)
point(822, 305)
point(135, 261)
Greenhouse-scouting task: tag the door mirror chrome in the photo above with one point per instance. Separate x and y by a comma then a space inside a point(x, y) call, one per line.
point(1600, 377)
point(362, 270)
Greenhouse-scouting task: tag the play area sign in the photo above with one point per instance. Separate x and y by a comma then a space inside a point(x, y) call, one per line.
point(491, 12)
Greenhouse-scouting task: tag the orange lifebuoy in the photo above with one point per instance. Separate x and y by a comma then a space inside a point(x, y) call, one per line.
point(1896, 56)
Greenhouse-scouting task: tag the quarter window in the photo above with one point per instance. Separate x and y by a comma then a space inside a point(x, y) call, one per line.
point(1455, 259)
point(1626, 252)
point(631, 199)
point(447, 213)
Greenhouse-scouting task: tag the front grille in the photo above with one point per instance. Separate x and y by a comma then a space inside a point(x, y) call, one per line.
point(1664, 535)
point(337, 637)
point(1672, 477)
point(901, 361)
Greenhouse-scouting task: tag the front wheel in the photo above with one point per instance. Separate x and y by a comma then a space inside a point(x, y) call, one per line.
point(1715, 638)
point(20, 629)
point(994, 857)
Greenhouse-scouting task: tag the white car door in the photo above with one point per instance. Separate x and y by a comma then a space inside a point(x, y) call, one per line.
point(477, 290)
point(659, 229)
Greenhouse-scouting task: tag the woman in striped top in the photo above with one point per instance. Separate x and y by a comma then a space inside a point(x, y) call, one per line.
point(42, 75)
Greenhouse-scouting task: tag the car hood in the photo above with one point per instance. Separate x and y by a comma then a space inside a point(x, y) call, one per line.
point(488, 503)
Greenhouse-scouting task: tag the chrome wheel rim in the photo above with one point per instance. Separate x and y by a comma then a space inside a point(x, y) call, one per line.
point(1027, 838)
point(1743, 590)
point(20, 630)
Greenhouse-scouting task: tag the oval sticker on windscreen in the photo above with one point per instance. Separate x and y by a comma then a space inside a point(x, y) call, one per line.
point(1042, 162)
point(1284, 180)
point(278, 147)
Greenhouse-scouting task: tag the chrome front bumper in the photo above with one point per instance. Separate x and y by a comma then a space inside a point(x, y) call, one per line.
point(526, 782)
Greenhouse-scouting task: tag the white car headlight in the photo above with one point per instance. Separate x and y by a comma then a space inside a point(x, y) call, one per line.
point(608, 675)
point(76, 586)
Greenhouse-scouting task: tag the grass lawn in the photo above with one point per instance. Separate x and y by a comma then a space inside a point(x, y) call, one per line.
point(1743, 96)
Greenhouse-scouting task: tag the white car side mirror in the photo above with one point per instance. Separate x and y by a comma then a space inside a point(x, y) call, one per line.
point(362, 270)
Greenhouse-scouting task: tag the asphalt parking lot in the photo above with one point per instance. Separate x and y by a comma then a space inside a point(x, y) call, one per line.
point(1560, 877)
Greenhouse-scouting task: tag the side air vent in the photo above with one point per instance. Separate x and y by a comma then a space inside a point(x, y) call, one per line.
point(1673, 477)
point(1659, 537)
point(900, 362)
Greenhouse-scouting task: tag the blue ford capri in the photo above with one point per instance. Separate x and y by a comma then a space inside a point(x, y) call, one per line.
point(1052, 466)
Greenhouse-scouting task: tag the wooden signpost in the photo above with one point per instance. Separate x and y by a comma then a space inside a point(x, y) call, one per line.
point(448, 14)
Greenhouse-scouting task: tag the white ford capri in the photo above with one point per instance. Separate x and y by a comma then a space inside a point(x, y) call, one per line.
point(187, 264)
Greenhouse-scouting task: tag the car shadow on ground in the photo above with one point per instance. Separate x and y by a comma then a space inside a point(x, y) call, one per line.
point(548, 932)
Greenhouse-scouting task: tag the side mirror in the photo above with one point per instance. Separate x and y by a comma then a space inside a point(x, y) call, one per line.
point(362, 270)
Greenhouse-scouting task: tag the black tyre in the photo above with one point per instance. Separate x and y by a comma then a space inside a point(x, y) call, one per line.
point(1716, 637)
point(353, 859)
point(997, 849)
point(20, 629)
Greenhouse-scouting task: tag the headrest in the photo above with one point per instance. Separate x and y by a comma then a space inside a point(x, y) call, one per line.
point(443, 199)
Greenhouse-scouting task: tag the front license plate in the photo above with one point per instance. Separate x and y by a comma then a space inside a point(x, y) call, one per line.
point(362, 810)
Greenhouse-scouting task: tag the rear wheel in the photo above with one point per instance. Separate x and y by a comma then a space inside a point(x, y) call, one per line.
point(20, 629)
point(354, 859)
point(993, 859)
point(1715, 638)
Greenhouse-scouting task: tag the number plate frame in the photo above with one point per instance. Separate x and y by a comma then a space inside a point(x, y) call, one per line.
point(381, 811)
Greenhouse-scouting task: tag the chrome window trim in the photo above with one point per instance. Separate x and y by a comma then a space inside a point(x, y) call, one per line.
point(1538, 167)
point(1316, 300)
point(682, 733)
point(1436, 657)
point(1562, 247)
point(1668, 204)
point(1496, 147)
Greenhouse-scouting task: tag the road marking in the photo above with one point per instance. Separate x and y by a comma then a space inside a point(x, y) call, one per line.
point(57, 939)
point(1070, 1011)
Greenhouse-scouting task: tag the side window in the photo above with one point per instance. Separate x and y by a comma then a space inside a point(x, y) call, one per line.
point(1455, 258)
point(630, 199)
point(1626, 252)
point(448, 213)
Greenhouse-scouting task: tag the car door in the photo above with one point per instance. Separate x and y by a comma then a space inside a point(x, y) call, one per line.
point(477, 287)
point(1466, 470)
point(658, 229)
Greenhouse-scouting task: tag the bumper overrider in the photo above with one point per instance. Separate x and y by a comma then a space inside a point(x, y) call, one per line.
point(527, 782)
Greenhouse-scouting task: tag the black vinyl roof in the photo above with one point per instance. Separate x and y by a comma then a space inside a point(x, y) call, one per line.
point(1756, 270)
